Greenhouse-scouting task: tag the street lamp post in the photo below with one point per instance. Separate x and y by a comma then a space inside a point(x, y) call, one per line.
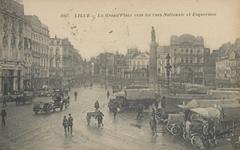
point(168, 68)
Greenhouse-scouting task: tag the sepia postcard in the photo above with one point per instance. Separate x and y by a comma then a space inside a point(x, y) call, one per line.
point(120, 74)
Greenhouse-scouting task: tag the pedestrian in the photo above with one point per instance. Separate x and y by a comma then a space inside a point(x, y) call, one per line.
point(91, 85)
point(3, 114)
point(70, 123)
point(5, 97)
point(65, 124)
point(75, 95)
point(156, 103)
point(108, 94)
point(100, 118)
point(140, 108)
point(163, 104)
point(153, 125)
point(153, 112)
point(96, 105)
point(115, 109)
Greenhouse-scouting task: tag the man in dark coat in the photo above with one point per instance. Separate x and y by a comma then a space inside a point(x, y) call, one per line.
point(3, 114)
point(96, 105)
point(115, 109)
point(108, 94)
point(100, 118)
point(140, 108)
point(75, 95)
point(65, 125)
point(70, 124)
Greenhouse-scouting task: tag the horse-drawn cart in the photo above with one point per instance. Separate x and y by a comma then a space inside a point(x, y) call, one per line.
point(98, 115)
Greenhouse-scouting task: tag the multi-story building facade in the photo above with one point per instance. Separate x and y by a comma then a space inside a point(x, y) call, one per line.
point(188, 58)
point(228, 65)
point(131, 52)
point(120, 66)
point(140, 61)
point(27, 74)
point(64, 63)
point(39, 47)
point(11, 46)
point(162, 53)
point(223, 71)
point(77, 64)
point(139, 68)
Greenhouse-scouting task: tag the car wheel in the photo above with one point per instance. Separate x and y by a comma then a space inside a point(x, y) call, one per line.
point(176, 130)
point(197, 142)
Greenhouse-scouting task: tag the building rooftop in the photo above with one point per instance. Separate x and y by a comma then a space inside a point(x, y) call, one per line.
point(186, 39)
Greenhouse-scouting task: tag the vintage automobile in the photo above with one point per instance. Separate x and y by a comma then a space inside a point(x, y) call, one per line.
point(206, 126)
point(63, 103)
point(58, 103)
point(41, 107)
point(175, 124)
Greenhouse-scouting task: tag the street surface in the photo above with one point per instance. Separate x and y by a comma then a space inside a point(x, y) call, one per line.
point(27, 131)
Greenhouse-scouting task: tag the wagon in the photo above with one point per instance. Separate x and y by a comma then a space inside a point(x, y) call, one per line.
point(131, 98)
point(98, 115)
point(90, 115)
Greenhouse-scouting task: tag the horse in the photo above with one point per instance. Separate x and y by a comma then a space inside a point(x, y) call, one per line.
point(89, 116)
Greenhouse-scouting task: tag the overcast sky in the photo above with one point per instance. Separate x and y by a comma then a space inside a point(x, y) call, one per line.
point(94, 35)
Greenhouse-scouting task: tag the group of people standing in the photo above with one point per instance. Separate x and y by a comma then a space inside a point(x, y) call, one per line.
point(68, 124)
